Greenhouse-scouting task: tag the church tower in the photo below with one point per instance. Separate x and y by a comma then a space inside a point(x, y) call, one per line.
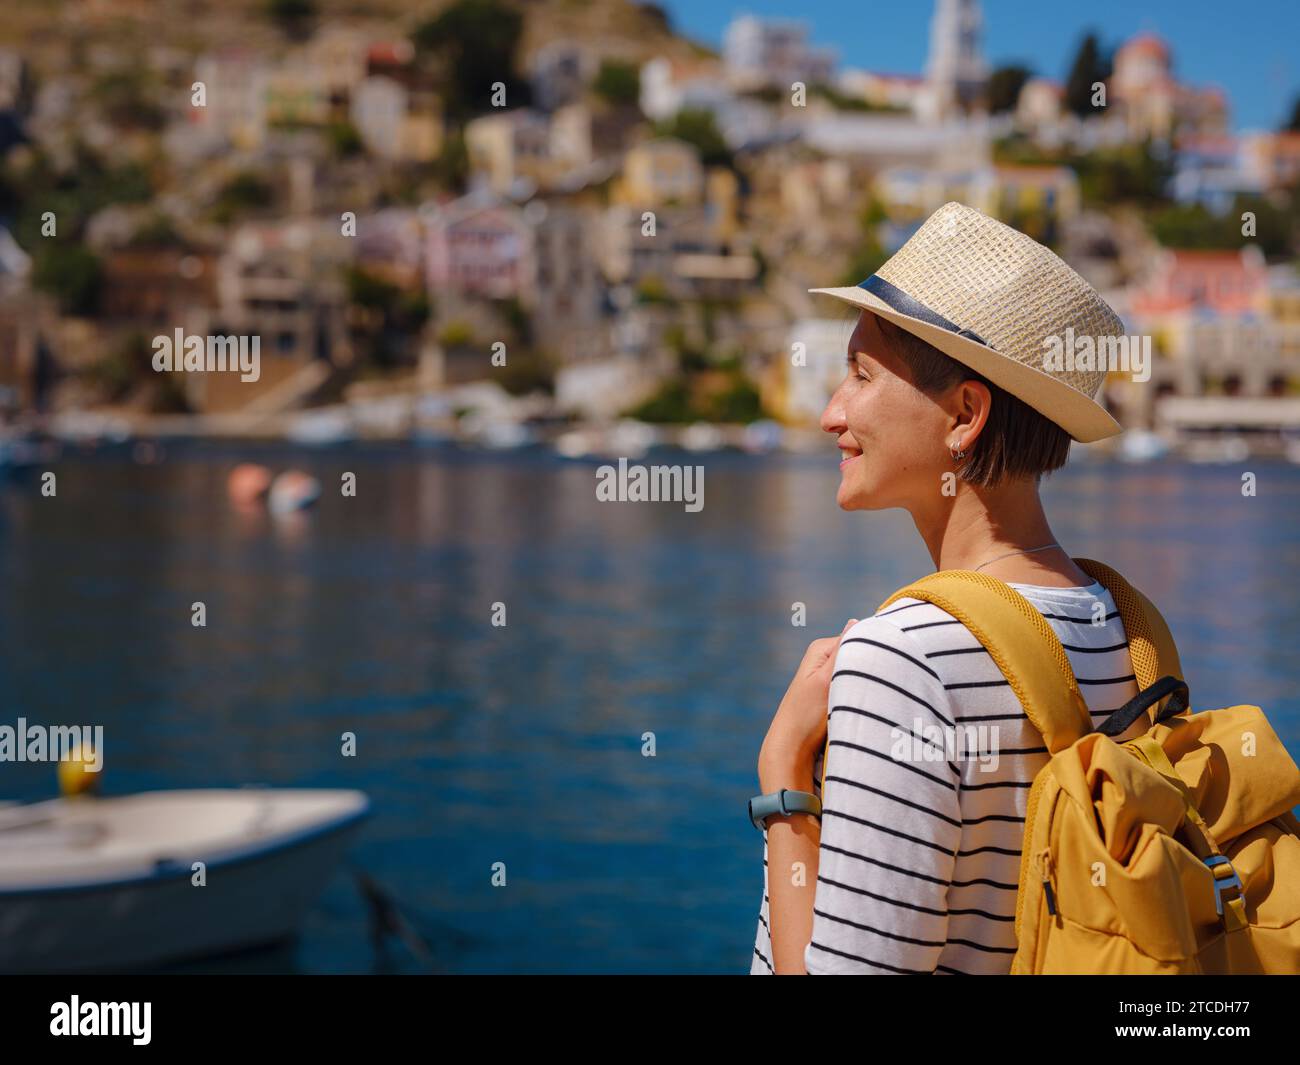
point(956, 71)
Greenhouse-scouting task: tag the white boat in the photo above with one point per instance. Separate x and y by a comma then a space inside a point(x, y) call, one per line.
point(321, 428)
point(1141, 445)
point(108, 884)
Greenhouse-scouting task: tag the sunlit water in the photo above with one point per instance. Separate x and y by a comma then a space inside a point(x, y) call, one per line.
point(523, 744)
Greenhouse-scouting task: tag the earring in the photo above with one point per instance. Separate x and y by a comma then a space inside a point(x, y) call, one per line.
point(956, 455)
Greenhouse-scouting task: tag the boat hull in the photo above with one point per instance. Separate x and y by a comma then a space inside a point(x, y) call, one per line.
point(252, 898)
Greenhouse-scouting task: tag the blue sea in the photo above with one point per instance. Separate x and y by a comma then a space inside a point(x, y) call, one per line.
point(520, 746)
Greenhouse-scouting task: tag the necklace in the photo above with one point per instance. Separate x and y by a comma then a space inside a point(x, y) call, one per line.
point(1030, 551)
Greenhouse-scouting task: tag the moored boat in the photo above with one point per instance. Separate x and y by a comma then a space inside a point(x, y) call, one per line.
point(113, 883)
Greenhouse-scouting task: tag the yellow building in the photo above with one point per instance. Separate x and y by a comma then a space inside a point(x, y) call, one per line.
point(659, 172)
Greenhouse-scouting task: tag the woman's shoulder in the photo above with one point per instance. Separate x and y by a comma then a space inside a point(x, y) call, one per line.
point(896, 641)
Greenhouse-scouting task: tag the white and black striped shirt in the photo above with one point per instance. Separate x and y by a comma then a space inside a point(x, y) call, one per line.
point(920, 844)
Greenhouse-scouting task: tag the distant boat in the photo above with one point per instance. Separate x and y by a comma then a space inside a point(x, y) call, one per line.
point(24, 450)
point(577, 443)
point(632, 439)
point(92, 884)
point(497, 435)
point(1217, 450)
point(702, 436)
point(762, 436)
point(320, 428)
point(1142, 445)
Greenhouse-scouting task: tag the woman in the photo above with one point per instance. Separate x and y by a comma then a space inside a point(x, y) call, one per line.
point(952, 407)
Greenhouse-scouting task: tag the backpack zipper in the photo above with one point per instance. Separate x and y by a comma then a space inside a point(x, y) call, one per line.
point(1045, 870)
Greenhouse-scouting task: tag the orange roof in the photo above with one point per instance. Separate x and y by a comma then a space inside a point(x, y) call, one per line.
point(1147, 43)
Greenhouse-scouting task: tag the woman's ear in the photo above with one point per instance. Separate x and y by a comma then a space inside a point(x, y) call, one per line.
point(970, 408)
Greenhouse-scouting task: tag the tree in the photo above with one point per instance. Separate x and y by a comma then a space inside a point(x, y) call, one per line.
point(475, 42)
point(72, 273)
point(1004, 88)
point(618, 82)
point(1293, 125)
point(294, 17)
point(697, 127)
point(1090, 67)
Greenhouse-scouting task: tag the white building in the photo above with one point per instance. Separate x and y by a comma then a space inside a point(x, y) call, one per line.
point(956, 71)
point(775, 52)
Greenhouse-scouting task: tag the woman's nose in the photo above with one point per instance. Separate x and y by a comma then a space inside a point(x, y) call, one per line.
point(832, 420)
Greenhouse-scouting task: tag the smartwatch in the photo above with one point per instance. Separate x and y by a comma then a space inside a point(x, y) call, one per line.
point(783, 803)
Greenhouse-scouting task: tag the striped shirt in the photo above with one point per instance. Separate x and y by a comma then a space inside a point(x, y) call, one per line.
point(931, 761)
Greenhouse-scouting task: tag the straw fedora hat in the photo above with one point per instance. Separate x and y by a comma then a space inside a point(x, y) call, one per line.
point(990, 297)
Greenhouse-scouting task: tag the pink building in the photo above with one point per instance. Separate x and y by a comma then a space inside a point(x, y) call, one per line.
point(1223, 282)
point(477, 246)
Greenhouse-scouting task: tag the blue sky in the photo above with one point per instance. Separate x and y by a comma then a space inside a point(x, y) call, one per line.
point(1251, 48)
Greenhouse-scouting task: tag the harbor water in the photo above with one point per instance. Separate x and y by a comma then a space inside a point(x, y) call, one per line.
point(518, 820)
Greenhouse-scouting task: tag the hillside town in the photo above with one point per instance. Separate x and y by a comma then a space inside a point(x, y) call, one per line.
point(494, 226)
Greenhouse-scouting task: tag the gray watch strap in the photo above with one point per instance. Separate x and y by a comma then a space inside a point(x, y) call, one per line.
point(784, 803)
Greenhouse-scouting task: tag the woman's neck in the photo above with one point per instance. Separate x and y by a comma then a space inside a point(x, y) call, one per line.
point(979, 524)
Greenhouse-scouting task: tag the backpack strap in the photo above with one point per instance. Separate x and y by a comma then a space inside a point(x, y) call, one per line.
point(1020, 641)
point(1150, 644)
point(1028, 652)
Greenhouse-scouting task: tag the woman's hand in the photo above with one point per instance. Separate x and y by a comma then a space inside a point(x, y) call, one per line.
point(798, 730)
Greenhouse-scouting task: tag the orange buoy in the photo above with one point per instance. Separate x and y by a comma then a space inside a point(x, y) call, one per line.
point(247, 483)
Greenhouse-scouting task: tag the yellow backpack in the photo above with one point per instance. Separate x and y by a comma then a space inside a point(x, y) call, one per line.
point(1176, 852)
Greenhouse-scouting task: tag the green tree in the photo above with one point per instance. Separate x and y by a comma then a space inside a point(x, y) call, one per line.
point(618, 82)
point(475, 42)
point(71, 273)
point(1130, 173)
point(293, 17)
point(1089, 67)
point(451, 168)
point(344, 139)
point(698, 127)
point(1004, 87)
point(391, 317)
point(1293, 123)
point(246, 192)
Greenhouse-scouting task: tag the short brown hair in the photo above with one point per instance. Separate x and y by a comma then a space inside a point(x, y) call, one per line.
point(1017, 441)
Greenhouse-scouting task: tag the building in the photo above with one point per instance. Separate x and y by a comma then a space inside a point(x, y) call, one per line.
point(393, 122)
point(529, 150)
point(508, 146)
point(956, 71)
point(279, 282)
point(811, 368)
point(1153, 102)
point(661, 171)
point(567, 290)
point(1213, 283)
point(760, 53)
point(895, 92)
point(1210, 169)
point(390, 244)
point(1212, 320)
point(1271, 160)
point(235, 82)
point(559, 72)
point(686, 258)
point(478, 247)
point(670, 85)
point(1038, 200)
point(1040, 105)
